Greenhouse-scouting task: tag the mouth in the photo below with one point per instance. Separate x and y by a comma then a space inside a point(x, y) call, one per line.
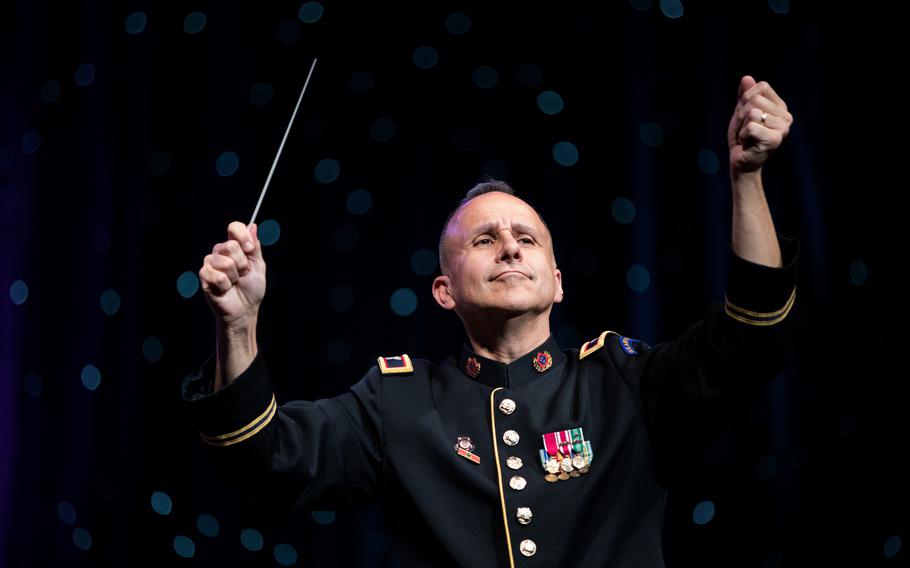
point(508, 272)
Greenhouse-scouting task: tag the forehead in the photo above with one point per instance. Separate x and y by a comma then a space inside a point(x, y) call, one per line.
point(495, 209)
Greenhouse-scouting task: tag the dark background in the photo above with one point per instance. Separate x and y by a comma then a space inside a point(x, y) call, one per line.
point(113, 185)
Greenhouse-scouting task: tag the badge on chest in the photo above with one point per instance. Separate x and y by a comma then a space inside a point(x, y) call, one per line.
point(465, 449)
point(565, 454)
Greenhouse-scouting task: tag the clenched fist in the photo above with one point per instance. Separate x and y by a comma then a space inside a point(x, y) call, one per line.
point(759, 124)
point(233, 276)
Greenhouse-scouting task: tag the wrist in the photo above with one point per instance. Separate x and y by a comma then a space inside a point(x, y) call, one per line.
point(235, 348)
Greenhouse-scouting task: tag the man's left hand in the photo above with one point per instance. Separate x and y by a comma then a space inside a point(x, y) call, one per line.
point(760, 123)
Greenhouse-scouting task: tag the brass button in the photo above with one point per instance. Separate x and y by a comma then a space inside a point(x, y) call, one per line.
point(523, 514)
point(514, 462)
point(528, 547)
point(517, 482)
point(511, 437)
point(507, 406)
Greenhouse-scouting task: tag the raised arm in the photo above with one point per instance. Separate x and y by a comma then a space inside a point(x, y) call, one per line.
point(759, 124)
point(290, 454)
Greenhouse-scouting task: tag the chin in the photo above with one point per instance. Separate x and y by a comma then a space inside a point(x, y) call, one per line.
point(515, 308)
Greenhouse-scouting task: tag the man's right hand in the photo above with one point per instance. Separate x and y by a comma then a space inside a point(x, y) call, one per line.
point(233, 276)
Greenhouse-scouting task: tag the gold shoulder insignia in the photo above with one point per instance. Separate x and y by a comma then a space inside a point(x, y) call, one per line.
point(594, 345)
point(397, 364)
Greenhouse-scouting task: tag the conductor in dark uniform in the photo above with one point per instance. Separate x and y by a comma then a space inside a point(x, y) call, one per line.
point(513, 452)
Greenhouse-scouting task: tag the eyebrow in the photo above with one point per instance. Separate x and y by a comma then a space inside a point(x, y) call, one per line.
point(491, 228)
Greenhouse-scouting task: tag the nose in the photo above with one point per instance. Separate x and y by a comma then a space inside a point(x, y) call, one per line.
point(510, 247)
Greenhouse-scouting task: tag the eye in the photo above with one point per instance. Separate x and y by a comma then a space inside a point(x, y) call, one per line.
point(528, 240)
point(484, 240)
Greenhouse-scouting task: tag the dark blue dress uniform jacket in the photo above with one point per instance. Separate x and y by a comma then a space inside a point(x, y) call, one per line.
point(391, 437)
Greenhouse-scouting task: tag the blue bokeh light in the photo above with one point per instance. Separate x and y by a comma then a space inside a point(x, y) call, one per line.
point(85, 74)
point(623, 210)
point(261, 93)
point(50, 91)
point(310, 12)
point(161, 503)
point(66, 512)
point(207, 525)
point(638, 278)
point(424, 262)
point(194, 22)
point(383, 129)
point(859, 273)
point(359, 201)
point(767, 467)
point(403, 301)
point(327, 170)
point(650, 134)
point(458, 23)
point(565, 153)
point(671, 8)
point(188, 284)
point(82, 539)
point(703, 513)
point(227, 164)
point(485, 77)
point(152, 349)
point(708, 162)
point(285, 554)
point(892, 546)
point(549, 102)
point(184, 546)
point(251, 539)
point(268, 232)
point(110, 301)
point(779, 6)
point(91, 377)
point(425, 57)
point(135, 23)
point(18, 292)
point(323, 517)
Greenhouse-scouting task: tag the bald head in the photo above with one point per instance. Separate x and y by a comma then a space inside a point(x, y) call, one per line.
point(481, 206)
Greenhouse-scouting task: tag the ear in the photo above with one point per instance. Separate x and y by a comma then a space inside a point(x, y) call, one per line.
point(442, 292)
point(557, 297)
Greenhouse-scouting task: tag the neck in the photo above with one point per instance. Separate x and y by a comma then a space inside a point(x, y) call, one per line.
point(509, 338)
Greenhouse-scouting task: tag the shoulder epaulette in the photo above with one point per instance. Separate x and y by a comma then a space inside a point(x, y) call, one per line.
point(625, 342)
point(594, 344)
point(397, 364)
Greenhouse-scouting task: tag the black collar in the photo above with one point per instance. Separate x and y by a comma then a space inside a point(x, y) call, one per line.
point(519, 372)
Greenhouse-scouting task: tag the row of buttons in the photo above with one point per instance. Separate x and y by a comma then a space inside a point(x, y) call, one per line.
point(527, 547)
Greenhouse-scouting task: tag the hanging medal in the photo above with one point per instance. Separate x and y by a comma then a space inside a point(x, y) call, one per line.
point(550, 456)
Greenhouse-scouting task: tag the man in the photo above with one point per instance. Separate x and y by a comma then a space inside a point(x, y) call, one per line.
point(517, 453)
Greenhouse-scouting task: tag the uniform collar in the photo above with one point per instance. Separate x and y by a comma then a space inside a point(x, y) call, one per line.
point(519, 372)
